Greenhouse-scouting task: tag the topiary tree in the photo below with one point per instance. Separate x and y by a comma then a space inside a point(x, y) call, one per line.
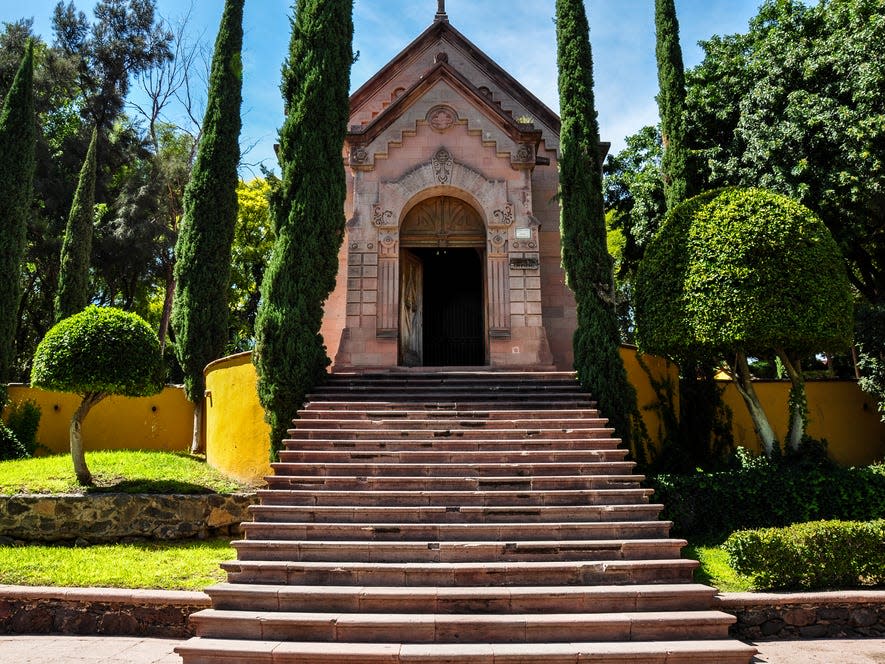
point(585, 257)
point(308, 210)
point(76, 249)
point(97, 353)
point(203, 247)
point(18, 140)
point(739, 273)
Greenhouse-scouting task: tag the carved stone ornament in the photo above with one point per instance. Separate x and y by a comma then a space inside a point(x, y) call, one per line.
point(504, 217)
point(442, 165)
point(359, 156)
point(497, 243)
point(389, 245)
point(525, 154)
point(441, 118)
point(382, 217)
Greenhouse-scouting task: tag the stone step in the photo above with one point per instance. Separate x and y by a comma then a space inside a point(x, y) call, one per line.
point(454, 444)
point(470, 414)
point(461, 574)
point(453, 628)
point(306, 432)
point(453, 394)
point(456, 514)
point(215, 651)
point(530, 550)
point(518, 485)
point(473, 600)
point(430, 497)
point(395, 424)
point(453, 469)
point(427, 457)
point(455, 532)
point(581, 402)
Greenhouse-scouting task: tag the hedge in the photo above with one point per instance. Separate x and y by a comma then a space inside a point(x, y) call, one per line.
point(811, 556)
point(762, 494)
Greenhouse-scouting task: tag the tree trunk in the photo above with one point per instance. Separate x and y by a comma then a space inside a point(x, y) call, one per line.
point(744, 382)
point(84, 477)
point(798, 403)
point(197, 446)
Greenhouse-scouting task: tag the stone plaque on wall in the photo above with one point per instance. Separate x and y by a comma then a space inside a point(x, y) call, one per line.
point(525, 264)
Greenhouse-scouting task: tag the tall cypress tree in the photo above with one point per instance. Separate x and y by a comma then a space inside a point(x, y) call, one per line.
point(585, 257)
point(203, 248)
point(18, 139)
point(76, 249)
point(679, 180)
point(308, 210)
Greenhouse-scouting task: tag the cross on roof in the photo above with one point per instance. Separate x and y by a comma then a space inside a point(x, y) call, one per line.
point(441, 10)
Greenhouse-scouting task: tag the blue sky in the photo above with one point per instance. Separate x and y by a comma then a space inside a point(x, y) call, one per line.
point(520, 38)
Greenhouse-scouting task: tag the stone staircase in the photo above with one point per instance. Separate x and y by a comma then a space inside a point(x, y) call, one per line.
point(471, 517)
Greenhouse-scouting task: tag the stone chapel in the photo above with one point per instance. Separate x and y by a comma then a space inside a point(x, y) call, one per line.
point(451, 256)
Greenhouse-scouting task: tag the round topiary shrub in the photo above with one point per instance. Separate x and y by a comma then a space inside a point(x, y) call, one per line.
point(98, 352)
point(737, 273)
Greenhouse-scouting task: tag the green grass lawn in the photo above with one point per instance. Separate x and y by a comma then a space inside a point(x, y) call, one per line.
point(187, 565)
point(714, 569)
point(116, 471)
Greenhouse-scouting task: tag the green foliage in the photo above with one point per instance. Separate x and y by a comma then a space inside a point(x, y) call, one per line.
point(203, 249)
point(10, 446)
point(811, 556)
point(871, 351)
point(18, 135)
point(23, 420)
point(76, 249)
point(308, 210)
point(764, 493)
point(744, 269)
point(100, 351)
point(585, 257)
point(679, 180)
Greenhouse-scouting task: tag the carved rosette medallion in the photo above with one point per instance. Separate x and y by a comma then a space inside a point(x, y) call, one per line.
point(359, 156)
point(441, 118)
point(503, 217)
point(442, 162)
point(382, 218)
point(497, 244)
point(525, 155)
point(389, 244)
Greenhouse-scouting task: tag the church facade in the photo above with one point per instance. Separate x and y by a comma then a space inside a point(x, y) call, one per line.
point(451, 255)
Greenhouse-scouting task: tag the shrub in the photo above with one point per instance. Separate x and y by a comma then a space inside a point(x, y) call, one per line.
point(807, 556)
point(10, 446)
point(760, 493)
point(23, 419)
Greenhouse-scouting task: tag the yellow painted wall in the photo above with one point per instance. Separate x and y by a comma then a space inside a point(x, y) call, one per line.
point(161, 422)
point(640, 377)
point(839, 412)
point(237, 437)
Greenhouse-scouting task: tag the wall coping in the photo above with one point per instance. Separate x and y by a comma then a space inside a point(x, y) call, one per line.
point(735, 600)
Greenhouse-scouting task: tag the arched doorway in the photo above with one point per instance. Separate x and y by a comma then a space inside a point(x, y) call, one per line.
point(442, 277)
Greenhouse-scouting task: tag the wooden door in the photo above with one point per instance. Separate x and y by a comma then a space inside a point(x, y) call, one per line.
point(411, 310)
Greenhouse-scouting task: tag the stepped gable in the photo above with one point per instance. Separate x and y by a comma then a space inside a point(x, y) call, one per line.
point(474, 517)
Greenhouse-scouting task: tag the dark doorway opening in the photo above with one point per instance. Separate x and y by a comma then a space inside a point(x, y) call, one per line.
point(453, 321)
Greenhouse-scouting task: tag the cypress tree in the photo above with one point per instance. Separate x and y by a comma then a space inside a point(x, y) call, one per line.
point(203, 247)
point(679, 181)
point(76, 249)
point(308, 210)
point(585, 257)
point(18, 139)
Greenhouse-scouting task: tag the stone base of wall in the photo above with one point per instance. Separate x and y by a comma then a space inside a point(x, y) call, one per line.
point(116, 517)
point(845, 614)
point(115, 612)
point(98, 611)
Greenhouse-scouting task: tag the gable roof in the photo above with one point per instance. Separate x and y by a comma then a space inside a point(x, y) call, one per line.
point(442, 29)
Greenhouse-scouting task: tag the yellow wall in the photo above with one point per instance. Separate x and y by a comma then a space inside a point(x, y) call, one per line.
point(657, 369)
point(161, 422)
point(238, 443)
point(839, 412)
point(237, 437)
